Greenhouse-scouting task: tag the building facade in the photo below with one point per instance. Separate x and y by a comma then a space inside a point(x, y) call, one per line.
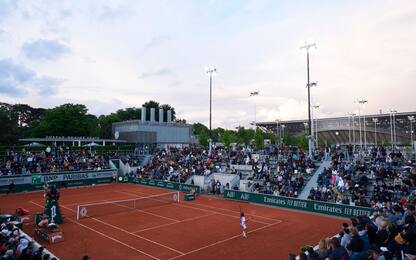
point(154, 132)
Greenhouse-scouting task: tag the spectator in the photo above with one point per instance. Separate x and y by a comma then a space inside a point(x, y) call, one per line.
point(356, 245)
point(323, 249)
point(336, 251)
point(12, 187)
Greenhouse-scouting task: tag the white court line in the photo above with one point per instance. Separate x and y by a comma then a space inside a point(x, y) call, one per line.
point(103, 200)
point(156, 207)
point(230, 210)
point(149, 213)
point(168, 224)
point(218, 213)
point(133, 209)
point(130, 233)
point(207, 206)
point(225, 240)
point(222, 214)
point(104, 235)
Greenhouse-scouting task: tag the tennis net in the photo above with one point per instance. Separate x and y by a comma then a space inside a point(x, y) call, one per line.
point(118, 206)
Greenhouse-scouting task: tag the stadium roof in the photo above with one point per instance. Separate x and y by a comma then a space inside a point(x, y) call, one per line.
point(336, 118)
point(81, 139)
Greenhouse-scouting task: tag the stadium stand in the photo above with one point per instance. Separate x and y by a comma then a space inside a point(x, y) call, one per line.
point(28, 162)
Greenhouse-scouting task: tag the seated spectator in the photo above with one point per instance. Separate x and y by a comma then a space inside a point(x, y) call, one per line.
point(336, 251)
point(322, 249)
point(356, 244)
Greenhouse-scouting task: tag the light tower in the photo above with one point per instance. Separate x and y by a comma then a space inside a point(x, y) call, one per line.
point(307, 46)
point(375, 120)
point(361, 102)
point(254, 94)
point(411, 120)
point(210, 71)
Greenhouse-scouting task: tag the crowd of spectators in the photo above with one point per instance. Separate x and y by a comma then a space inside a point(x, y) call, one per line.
point(377, 180)
point(279, 172)
point(175, 164)
point(29, 162)
point(283, 176)
point(15, 246)
point(389, 234)
point(178, 164)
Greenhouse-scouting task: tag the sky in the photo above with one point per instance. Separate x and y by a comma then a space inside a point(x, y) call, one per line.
point(116, 54)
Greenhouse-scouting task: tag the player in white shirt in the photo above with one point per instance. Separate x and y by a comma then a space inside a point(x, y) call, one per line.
point(243, 224)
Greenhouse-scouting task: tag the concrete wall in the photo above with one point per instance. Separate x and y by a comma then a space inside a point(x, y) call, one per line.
point(138, 132)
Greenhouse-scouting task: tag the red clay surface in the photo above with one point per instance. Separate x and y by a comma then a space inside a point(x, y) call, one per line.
point(207, 228)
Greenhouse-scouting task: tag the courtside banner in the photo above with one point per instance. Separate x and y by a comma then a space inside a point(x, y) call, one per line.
point(326, 208)
point(66, 179)
point(166, 184)
point(72, 176)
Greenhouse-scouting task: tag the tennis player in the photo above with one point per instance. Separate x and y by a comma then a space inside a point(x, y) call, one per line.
point(243, 224)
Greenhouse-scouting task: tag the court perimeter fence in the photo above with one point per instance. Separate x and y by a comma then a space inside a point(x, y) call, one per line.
point(63, 179)
point(312, 206)
point(69, 179)
point(326, 208)
point(165, 184)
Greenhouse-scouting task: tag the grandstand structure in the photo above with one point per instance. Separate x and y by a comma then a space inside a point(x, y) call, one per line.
point(156, 132)
point(381, 129)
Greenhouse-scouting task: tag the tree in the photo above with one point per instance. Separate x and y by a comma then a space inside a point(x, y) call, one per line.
point(217, 133)
point(67, 120)
point(258, 138)
point(8, 127)
point(244, 136)
point(203, 138)
point(151, 104)
point(198, 128)
point(167, 107)
point(130, 113)
point(228, 137)
point(21, 119)
point(105, 125)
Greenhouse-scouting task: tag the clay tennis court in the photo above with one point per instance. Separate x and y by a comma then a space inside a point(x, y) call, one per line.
point(207, 228)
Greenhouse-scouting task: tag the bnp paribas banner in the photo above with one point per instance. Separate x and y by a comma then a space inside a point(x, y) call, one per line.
point(74, 176)
point(333, 209)
point(66, 179)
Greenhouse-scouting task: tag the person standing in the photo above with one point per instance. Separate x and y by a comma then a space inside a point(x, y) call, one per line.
point(12, 187)
point(243, 224)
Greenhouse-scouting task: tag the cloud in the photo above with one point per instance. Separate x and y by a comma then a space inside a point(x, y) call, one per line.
point(46, 86)
point(12, 77)
point(44, 50)
point(10, 88)
point(156, 41)
point(110, 12)
point(17, 79)
point(7, 7)
point(160, 72)
point(16, 72)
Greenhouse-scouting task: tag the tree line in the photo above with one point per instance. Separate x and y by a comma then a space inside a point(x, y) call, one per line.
point(246, 136)
point(23, 121)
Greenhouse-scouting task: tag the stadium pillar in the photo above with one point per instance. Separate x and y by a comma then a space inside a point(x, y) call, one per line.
point(210, 71)
point(375, 120)
point(411, 119)
point(391, 131)
point(310, 142)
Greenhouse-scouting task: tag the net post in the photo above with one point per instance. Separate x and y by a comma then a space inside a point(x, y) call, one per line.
point(78, 212)
point(177, 194)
